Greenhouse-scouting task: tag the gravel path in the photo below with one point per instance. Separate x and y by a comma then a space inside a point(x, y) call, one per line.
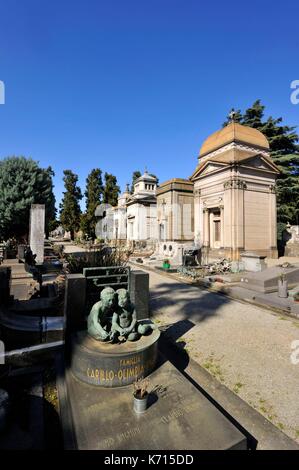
point(245, 347)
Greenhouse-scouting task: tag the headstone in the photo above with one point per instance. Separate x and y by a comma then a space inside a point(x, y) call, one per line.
point(139, 293)
point(178, 258)
point(74, 301)
point(237, 266)
point(37, 231)
point(21, 251)
point(253, 262)
point(5, 281)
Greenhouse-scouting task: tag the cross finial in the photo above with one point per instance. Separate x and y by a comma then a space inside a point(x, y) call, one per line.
point(232, 115)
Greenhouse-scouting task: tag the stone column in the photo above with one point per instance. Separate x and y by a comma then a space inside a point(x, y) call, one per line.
point(206, 227)
point(238, 217)
point(211, 230)
point(236, 189)
point(37, 231)
point(227, 223)
point(222, 225)
point(272, 219)
point(197, 227)
point(176, 217)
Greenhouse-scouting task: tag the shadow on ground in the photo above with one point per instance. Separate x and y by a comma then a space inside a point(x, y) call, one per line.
point(185, 301)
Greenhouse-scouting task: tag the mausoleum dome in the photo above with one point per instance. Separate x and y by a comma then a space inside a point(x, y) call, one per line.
point(234, 132)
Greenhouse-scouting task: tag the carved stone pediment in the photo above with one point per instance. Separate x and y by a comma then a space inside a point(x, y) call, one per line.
point(258, 162)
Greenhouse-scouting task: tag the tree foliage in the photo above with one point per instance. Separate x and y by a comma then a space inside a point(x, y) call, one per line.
point(111, 190)
point(70, 210)
point(136, 174)
point(285, 154)
point(94, 196)
point(22, 183)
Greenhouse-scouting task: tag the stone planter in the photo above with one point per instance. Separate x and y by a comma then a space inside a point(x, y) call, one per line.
point(282, 288)
point(140, 404)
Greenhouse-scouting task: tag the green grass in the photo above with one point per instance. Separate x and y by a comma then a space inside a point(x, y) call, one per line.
point(237, 387)
point(213, 368)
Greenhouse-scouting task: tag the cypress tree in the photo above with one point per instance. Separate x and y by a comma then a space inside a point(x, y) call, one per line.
point(94, 196)
point(70, 210)
point(111, 190)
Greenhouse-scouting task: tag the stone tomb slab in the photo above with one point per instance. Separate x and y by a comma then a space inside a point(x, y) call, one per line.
point(179, 417)
point(267, 280)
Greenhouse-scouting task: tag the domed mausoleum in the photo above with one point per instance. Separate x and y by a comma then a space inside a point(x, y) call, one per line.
point(234, 194)
point(142, 209)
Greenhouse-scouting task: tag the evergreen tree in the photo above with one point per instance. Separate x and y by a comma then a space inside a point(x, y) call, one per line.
point(152, 174)
point(94, 195)
point(253, 116)
point(70, 210)
point(111, 190)
point(285, 154)
point(22, 183)
point(135, 176)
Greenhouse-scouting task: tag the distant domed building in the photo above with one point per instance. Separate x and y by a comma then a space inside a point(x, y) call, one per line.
point(234, 194)
point(142, 209)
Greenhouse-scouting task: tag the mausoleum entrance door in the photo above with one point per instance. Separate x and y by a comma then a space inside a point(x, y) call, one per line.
point(215, 228)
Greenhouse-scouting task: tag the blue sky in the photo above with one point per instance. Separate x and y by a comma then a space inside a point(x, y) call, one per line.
point(124, 84)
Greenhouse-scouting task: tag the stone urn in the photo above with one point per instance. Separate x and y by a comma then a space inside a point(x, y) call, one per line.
point(282, 287)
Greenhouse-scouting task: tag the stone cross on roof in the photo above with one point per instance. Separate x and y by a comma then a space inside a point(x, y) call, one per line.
point(232, 115)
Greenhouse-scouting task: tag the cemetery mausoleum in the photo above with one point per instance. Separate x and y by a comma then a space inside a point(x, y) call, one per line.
point(234, 194)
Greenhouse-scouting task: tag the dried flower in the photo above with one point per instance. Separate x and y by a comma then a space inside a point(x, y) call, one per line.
point(140, 387)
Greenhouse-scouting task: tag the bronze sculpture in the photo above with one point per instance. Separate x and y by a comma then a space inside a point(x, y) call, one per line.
point(114, 318)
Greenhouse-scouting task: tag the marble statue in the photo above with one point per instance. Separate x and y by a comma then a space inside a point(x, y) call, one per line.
point(114, 318)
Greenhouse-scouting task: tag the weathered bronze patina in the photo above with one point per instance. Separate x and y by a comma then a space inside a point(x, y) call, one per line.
point(114, 318)
point(117, 349)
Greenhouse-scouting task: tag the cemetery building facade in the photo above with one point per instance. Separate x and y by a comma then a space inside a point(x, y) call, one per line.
point(175, 216)
point(234, 194)
point(142, 210)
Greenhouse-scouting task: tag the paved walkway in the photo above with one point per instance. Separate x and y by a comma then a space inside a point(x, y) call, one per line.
point(246, 348)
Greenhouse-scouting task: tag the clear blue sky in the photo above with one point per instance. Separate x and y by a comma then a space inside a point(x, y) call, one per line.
point(126, 84)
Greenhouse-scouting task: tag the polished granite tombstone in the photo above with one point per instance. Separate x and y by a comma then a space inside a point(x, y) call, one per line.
point(179, 416)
